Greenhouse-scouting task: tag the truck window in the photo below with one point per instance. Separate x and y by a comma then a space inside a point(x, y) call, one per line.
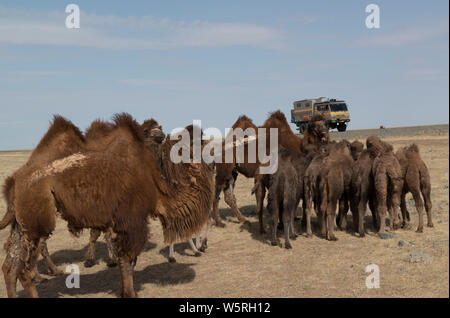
point(338, 107)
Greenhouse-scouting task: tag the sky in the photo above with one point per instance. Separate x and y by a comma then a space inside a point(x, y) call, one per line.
point(179, 61)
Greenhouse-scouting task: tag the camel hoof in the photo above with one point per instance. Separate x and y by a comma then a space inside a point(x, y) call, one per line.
point(430, 225)
point(89, 263)
point(274, 243)
point(308, 234)
point(287, 246)
point(172, 260)
point(111, 264)
point(220, 224)
point(419, 231)
point(197, 254)
point(332, 238)
point(361, 235)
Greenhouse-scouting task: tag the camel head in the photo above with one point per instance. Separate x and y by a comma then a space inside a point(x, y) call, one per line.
point(356, 148)
point(317, 129)
point(153, 134)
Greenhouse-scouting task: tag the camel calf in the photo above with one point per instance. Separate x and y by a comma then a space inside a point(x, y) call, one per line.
point(416, 179)
point(388, 181)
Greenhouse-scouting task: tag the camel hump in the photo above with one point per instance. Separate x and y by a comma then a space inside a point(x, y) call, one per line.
point(278, 114)
point(58, 126)
point(98, 128)
point(125, 120)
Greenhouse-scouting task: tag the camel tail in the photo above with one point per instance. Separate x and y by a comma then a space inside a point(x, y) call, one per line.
point(7, 219)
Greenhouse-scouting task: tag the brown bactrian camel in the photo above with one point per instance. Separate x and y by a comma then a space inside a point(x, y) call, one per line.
point(282, 199)
point(416, 179)
point(119, 187)
point(96, 138)
point(388, 182)
point(363, 192)
point(316, 135)
point(327, 182)
point(61, 140)
point(226, 174)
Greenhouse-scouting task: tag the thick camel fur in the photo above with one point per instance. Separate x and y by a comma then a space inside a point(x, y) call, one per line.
point(388, 182)
point(283, 188)
point(119, 187)
point(416, 179)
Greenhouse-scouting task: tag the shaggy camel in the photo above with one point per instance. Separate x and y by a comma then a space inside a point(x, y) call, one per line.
point(284, 187)
point(416, 179)
point(315, 136)
point(63, 133)
point(388, 182)
point(226, 174)
point(119, 187)
point(335, 180)
point(363, 192)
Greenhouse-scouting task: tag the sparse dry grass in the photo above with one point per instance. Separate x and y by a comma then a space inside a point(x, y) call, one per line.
point(240, 263)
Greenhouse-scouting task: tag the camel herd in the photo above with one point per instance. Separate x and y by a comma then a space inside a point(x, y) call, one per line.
point(117, 174)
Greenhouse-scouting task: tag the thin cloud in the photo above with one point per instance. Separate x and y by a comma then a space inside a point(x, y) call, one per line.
point(131, 33)
point(406, 36)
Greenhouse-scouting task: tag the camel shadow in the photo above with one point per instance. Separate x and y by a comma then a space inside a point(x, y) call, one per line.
point(78, 256)
point(228, 215)
point(108, 280)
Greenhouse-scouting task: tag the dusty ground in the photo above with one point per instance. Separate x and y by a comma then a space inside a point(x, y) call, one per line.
point(241, 263)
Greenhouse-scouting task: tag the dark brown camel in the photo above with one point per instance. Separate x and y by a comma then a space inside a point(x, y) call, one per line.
point(388, 182)
point(316, 135)
point(283, 194)
point(416, 179)
point(363, 191)
point(119, 187)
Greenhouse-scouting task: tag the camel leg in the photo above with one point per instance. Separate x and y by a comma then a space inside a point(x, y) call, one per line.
point(29, 253)
point(194, 248)
point(274, 209)
point(419, 206)
point(331, 217)
point(287, 217)
point(230, 199)
point(126, 274)
point(205, 239)
point(90, 255)
point(171, 254)
point(307, 214)
point(426, 193)
point(10, 265)
point(404, 209)
point(217, 218)
point(52, 269)
point(260, 195)
point(342, 214)
point(112, 253)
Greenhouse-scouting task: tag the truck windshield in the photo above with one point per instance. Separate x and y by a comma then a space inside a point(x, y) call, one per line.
point(338, 107)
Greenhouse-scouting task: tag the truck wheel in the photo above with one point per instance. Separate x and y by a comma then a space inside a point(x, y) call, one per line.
point(342, 127)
